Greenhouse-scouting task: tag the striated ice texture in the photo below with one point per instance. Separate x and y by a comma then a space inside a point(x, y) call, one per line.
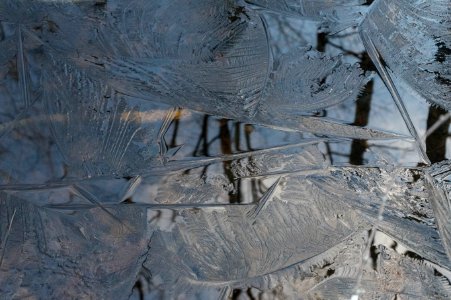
point(224, 149)
point(412, 38)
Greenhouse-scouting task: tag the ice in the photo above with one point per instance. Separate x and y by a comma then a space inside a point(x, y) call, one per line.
point(333, 15)
point(55, 255)
point(412, 41)
point(224, 149)
point(303, 216)
point(232, 72)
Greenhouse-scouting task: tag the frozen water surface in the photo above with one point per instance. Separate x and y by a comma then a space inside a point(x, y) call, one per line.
point(225, 149)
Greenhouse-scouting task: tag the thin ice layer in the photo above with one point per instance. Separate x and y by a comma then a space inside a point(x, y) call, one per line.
point(439, 185)
point(272, 243)
point(411, 39)
point(230, 73)
point(334, 16)
point(87, 254)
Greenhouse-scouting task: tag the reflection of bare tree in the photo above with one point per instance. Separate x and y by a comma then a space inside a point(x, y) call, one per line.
point(321, 42)
point(255, 183)
point(362, 112)
point(363, 103)
point(237, 136)
point(436, 141)
point(203, 139)
point(226, 148)
point(248, 129)
point(176, 122)
point(231, 136)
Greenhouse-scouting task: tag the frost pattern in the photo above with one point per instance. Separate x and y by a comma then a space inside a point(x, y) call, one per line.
point(411, 38)
point(230, 73)
point(246, 248)
point(173, 149)
point(334, 15)
point(46, 241)
point(440, 188)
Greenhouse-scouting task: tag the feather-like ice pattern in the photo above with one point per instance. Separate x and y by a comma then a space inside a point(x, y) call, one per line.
point(242, 82)
point(119, 126)
point(220, 95)
point(439, 184)
point(267, 196)
point(16, 70)
point(305, 209)
point(361, 190)
point(413, 41)
point(390, 275)
point(199, 188)
point(98, 131)
point(306, 80)
point(230, 73)
point(387, 79)
point(246, 250)
point(79, 250)
point(316, 201)
point(113, 75)
point(316, 218)
point(333, 15)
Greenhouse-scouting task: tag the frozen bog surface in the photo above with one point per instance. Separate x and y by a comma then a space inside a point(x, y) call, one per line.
point(224, 149)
